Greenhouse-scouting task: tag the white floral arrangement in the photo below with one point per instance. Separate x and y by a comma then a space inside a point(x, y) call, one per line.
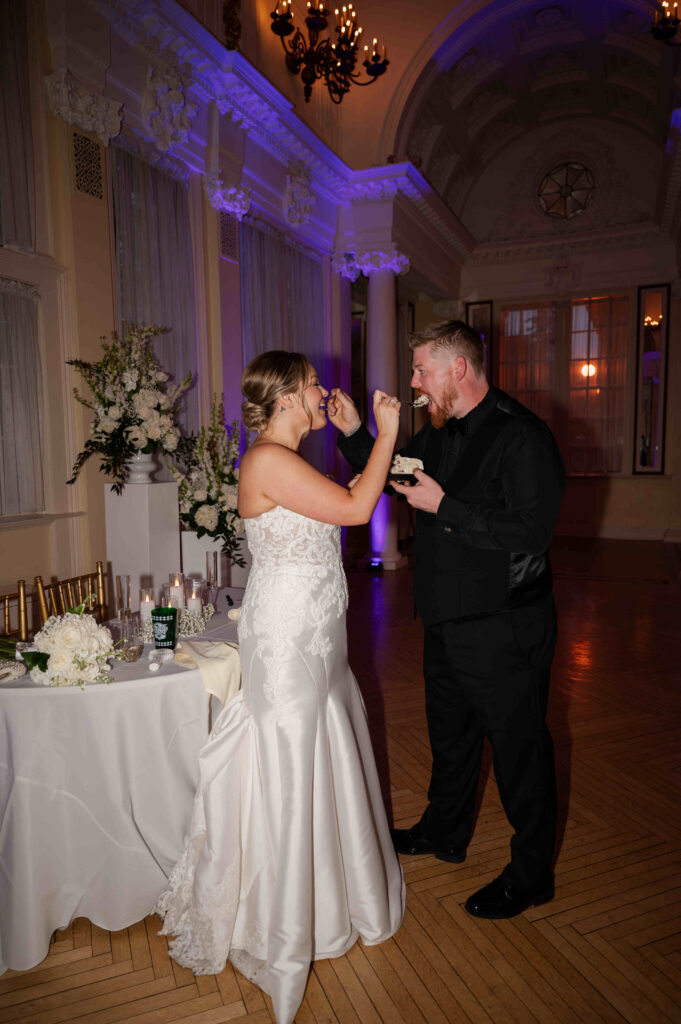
point(75, 650)
point(190, 623)
point(134, 407)
point(208, 482)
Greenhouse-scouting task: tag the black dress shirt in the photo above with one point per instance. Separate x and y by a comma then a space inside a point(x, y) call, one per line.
point(486, 547)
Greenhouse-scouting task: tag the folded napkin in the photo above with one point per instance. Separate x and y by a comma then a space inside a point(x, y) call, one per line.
point(217, 661)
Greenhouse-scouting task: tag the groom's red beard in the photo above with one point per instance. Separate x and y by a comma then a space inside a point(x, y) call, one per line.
point(441, 412)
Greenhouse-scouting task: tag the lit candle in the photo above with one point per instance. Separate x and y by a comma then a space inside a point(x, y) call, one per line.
point(146, 604)
point(176, 590)
point(194, 602)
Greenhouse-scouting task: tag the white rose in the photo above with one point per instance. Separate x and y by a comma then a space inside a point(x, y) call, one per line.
point(160, 375)
point(170, 440)
point(129, 380)
point(71, 634)
point(107, 425)
point(143, 411)
point(114, 412)
point(207, 517)
point(200, 495)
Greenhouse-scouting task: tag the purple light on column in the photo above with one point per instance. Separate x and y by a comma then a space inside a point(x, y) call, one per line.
point(379, 524)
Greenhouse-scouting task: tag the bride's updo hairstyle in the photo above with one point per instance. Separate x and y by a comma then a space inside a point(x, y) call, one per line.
point(267, 378)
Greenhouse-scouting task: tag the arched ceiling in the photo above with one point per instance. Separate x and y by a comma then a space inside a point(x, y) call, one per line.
point(517, 68)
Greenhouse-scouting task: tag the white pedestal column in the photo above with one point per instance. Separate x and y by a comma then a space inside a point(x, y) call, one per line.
point(142, 537)
point(382, 373)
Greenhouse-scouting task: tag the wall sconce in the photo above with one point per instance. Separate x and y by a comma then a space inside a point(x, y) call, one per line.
point(335, 62)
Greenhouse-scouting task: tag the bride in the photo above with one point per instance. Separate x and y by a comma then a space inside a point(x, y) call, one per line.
point(289, 857)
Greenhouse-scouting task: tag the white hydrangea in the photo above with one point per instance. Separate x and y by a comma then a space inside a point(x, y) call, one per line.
point(129, 379)
point(207, 517)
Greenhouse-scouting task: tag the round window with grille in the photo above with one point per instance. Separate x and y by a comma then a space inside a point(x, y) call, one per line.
point(566, 190)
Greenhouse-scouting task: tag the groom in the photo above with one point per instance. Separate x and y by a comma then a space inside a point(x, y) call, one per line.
point(486, 508)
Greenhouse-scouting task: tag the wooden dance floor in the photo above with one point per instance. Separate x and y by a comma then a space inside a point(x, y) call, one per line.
point(607, 949)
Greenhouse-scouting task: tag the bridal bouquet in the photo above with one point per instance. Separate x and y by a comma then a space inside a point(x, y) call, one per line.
point(208, 480)
point(70, 650)
point(134, 406)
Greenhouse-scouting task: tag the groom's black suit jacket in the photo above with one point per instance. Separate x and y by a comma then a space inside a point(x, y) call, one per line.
point(486, 548)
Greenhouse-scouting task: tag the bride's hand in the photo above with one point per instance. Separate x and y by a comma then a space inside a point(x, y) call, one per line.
point(386, 413)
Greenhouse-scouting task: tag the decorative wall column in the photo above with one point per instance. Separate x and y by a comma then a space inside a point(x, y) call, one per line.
point(381, 267)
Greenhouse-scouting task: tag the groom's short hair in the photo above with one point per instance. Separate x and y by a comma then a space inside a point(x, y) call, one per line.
point(455, 338)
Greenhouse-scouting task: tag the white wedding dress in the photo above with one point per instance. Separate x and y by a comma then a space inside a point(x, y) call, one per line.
point(289, 856)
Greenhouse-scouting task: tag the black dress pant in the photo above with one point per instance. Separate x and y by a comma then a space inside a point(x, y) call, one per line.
point(490, 677)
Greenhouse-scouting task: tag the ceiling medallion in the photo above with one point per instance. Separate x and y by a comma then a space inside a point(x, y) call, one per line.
point(566, 190)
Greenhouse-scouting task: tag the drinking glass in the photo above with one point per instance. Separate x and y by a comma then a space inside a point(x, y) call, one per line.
point(165, 626)
point(123, 597)
point(132, 644)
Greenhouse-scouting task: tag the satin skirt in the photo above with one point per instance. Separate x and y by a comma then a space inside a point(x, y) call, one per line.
point(289, 858)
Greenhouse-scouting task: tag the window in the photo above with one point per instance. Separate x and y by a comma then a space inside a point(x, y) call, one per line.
point(569, 364)
point(16, 142)
point(21, 477)
point(155, 264)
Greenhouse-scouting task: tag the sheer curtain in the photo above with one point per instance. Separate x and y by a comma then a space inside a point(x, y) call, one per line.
point(282, 307)
point(155, 274)
point(21, 472)
point(527, 357)
point(598, 370)
point(17, 199)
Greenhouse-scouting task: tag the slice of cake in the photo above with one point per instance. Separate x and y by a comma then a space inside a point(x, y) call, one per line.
point(402, 469)
point(419, 401)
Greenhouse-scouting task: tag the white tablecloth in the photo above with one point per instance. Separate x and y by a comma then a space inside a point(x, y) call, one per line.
point(96, 789)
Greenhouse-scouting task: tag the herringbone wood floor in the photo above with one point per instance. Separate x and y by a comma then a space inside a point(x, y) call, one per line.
point(607, 949)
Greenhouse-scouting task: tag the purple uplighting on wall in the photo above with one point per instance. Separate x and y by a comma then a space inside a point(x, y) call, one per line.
point(379, 524)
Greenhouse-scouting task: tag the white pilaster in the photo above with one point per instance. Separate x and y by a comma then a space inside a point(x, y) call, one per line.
point(382, 373)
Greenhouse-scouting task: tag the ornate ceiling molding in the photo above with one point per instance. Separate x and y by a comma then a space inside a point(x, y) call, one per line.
point(226, 198)
point(176, 44)
point(84, 110)
point(646, 234)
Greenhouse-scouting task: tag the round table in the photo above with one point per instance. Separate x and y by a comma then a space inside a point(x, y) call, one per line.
point(96, 789)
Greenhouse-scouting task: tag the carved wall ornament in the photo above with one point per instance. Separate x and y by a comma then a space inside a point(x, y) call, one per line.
point(87, 111)
point(298, 198)
point(226, 198)
point(166, 112)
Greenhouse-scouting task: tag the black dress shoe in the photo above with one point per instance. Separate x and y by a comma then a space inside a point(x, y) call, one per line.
point(412, 842)
point(503, 898)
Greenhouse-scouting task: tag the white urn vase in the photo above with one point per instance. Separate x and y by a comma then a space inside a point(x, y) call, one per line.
point(142, 467)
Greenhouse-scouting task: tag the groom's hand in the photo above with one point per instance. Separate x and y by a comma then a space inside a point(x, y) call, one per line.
point(426, 494)
point(342, 412)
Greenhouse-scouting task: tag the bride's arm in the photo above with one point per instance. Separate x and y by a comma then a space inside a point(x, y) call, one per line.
point(284, 478)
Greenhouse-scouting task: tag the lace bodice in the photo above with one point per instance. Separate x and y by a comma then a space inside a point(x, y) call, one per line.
point(282, 540)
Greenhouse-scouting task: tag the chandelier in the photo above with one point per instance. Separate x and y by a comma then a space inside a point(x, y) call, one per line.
point(667, 24)
point(335, 62)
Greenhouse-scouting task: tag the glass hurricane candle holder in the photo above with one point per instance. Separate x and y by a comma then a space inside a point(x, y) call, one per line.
point(194, 603)
point(146, 604)
point(176, 589)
